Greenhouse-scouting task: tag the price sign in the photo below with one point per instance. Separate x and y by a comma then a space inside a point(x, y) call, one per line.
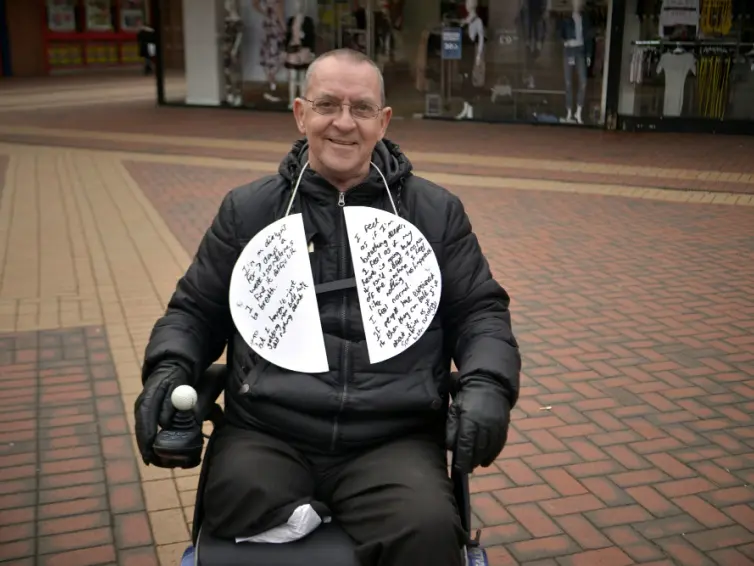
point(451, 43)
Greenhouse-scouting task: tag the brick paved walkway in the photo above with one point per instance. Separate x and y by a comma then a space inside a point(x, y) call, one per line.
point(70, 488)
point(585, 156)
point(632, 443)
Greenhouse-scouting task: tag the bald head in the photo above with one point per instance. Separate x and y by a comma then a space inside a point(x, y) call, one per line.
point(351, 56)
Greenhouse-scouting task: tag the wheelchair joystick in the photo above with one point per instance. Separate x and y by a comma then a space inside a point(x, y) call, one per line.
point(181, 445)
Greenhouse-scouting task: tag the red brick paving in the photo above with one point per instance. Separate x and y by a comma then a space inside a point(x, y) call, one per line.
point(427, 166)
point(70, 493)
point(684, 151)
point(632, 442)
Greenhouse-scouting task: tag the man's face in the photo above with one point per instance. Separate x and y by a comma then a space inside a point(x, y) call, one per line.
point(341, 140)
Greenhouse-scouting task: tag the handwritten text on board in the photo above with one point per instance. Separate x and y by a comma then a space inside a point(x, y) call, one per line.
point(272, 298)
point(398, 279)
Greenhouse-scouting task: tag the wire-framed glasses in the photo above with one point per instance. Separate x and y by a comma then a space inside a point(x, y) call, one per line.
point(330, 107)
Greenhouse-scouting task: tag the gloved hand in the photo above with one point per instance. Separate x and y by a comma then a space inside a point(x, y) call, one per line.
point(477, 427)
point(154, 407)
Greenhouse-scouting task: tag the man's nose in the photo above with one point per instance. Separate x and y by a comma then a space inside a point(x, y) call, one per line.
point(344, 119)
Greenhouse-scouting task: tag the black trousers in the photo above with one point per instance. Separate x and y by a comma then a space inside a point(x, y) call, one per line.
point(396, 501)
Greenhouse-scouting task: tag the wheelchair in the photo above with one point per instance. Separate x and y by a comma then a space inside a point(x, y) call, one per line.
point(181, 446)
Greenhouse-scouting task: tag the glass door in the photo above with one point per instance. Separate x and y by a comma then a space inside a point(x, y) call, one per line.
point(398, 27)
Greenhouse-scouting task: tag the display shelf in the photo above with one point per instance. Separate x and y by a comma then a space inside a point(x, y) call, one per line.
point(76, 37)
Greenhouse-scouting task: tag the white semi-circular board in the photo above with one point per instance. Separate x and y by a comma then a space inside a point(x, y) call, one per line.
point(397, 277)
point(272, 298)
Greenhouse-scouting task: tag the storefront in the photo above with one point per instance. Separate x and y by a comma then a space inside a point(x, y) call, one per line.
point(688, 66)
point(69, 36)
point(533, 61)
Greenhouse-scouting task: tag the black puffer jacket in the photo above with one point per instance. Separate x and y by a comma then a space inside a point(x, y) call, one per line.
point(355, 403)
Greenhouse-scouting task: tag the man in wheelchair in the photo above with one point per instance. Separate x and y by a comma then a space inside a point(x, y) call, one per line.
point(365, 442)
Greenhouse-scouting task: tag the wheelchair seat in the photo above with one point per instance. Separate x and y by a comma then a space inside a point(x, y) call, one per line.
point(328, 544)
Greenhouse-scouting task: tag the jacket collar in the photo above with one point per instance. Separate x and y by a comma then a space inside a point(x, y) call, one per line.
point(387, 157)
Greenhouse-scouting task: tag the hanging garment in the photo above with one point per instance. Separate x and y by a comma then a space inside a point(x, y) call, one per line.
point(716, 17)
point(713, 85)
point(273, 36)
point(679, 13)
point(676, 67)
point(299, 41)
point(741, 103)
point(637, 62)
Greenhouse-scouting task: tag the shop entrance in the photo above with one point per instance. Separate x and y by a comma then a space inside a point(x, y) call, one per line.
point(513, 61)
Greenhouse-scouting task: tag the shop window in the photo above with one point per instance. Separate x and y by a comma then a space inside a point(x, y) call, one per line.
point(688, 59)
point(267, 45)
point(523, 61)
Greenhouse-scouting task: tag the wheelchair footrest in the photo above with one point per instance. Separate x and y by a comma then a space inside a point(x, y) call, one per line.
point(475, 556)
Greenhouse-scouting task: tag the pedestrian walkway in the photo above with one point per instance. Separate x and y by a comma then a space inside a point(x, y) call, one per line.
point(632, 442)
point(703, 164)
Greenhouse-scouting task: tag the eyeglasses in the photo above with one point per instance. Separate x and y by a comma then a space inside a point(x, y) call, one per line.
point(329, 107)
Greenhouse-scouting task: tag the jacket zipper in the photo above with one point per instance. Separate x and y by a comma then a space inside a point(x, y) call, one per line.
point(343, 320)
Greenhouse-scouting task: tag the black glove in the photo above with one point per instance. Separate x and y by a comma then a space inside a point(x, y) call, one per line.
point(477, 427)
point(154, 407)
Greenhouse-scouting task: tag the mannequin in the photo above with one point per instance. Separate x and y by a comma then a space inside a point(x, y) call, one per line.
point(476, 34)
point(300, 44)
point(532, 18)
point(232, 64)
point(273, 36)
point(384, 33)
point(576, 33)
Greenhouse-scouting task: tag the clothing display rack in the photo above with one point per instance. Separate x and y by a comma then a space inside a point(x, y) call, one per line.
point(690, 43)
point(714, 59)
point(713, 82)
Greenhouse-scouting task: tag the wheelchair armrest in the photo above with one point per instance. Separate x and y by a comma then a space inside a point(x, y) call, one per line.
point(209, 387)
point(461, 480)
point(462, 497)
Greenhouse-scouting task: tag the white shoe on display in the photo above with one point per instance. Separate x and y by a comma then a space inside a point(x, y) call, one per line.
point(568, 119)
point(464, 113)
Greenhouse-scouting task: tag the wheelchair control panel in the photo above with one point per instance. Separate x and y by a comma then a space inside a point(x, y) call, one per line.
point(181, 446)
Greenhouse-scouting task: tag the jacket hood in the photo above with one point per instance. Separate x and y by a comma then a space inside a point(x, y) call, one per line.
point(387, 156)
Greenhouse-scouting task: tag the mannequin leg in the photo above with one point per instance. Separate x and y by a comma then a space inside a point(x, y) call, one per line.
point(236, 75)
point(568, 71)
point(581, 96)
point(468, 90)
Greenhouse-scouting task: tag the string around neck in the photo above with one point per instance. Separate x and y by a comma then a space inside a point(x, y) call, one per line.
point(301, 175)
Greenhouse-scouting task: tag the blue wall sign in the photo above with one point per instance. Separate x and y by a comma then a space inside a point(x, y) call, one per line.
point(451, 43)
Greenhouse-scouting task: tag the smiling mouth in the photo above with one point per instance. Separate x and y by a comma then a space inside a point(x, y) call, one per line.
point(341, 142)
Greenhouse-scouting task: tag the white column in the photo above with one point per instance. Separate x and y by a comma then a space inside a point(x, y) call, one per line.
point(631, 32)
point(202, 21)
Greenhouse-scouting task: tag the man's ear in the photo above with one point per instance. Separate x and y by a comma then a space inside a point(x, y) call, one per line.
point(299, 110)
point(385, 116)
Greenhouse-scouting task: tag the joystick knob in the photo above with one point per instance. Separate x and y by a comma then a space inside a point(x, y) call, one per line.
point(181, 443)
point(183, 398)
